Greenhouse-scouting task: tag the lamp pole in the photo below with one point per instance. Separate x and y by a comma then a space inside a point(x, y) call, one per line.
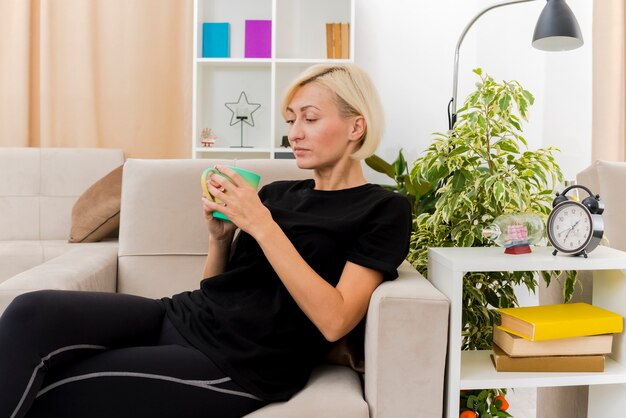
point(455, 82)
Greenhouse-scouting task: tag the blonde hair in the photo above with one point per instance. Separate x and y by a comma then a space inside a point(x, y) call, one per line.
point(354, 94)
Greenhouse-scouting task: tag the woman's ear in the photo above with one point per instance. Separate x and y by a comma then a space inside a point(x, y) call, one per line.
point(357, 130)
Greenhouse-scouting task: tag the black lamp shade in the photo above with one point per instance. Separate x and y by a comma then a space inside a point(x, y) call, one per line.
point(557, 28)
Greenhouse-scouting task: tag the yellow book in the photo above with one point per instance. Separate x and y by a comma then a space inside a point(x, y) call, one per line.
point(563, 320)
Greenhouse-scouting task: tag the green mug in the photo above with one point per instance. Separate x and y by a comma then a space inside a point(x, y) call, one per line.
point(250, 177)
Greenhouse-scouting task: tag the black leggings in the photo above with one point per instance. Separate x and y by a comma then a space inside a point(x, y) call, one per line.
point(88, 354)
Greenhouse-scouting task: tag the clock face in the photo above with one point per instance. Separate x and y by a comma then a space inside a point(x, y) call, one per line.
point(570, 227)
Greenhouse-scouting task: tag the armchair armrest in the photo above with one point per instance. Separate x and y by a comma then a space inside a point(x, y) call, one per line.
point(84, 268)
point(406, 339)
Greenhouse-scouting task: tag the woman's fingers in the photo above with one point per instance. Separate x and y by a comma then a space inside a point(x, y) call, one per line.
point(218, 192)
point(237, 180)
point(206, 208)
point(233, 196)
point(217, 181)
point(233, 180)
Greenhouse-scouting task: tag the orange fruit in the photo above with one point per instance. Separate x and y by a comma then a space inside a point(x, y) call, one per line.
point(468, 414)
point(504, 405)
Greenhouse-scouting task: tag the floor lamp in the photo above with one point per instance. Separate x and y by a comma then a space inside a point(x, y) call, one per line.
point(556, 30)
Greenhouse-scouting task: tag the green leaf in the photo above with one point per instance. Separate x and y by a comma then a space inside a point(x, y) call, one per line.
point(378, 164)
point(422, 188)
point(492, 298)
point(468, 240)
point(507, 145)
point(410, 188)
point(515, 124)
point(399, 165)
point(462, 149)
point(489, 97)
point(482, 122)
point(504, 102)
point(499, 191)
point(440, 172)
point(528, 95)
point(568, 287)
point(458, 180)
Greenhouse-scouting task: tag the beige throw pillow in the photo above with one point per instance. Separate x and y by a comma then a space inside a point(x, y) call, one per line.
point(96, 213)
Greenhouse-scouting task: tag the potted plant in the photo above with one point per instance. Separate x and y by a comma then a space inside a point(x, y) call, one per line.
point(468, 176)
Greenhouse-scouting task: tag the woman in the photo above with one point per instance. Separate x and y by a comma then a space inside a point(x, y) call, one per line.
point(298, 277)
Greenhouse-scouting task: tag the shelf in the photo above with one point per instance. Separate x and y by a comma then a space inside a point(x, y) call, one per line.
point(478, 372)
point(311, 61)
point(229, 154)
point(298, 41)
point(252, 61)
point(209, 150)
point(234, 12)
point(283, 154)
point(234, 61)
point(222, 83)
point(474, 370)
point(541, 259)
point(301, 26)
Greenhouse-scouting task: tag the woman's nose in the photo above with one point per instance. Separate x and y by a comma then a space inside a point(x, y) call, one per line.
point(295, 132)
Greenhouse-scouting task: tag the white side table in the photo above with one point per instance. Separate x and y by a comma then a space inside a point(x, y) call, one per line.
point(474, 370)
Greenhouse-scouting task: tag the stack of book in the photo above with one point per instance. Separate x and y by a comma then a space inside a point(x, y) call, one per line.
point(554, 338)
point(338, 40)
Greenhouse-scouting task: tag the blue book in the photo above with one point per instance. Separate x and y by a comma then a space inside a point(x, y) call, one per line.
point(215, 40)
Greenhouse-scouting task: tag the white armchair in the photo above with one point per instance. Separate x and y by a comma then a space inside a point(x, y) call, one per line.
point(162, 248)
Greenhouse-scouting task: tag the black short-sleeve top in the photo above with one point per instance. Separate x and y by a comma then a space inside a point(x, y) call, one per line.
point(247, 322)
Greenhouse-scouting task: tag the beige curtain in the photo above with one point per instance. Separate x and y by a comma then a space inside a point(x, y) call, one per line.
point(97, 73)
point(609, 82)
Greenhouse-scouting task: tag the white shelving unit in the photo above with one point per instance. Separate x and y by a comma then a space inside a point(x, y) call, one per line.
point(474, 369)
point(298, 41)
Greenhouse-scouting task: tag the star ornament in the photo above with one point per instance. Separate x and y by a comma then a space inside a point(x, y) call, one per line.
point(242, 110)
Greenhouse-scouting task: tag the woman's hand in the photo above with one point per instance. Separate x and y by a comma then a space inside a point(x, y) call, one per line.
point(219, 230)
point(240, 202)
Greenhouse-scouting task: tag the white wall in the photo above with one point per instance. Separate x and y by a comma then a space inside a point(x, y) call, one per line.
point(407, 46)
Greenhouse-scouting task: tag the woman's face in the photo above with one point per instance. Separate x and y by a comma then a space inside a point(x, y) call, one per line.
point(318, 134)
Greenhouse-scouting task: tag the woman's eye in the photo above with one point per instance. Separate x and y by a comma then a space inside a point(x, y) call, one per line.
point(309, 120)
point(290, 122)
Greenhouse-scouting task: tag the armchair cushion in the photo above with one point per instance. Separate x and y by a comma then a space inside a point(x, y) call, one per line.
point(332, 391)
